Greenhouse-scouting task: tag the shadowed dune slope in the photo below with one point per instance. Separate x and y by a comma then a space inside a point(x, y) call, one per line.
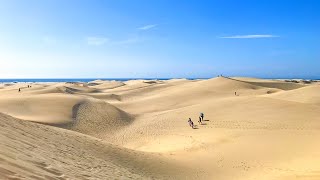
point(46, 152)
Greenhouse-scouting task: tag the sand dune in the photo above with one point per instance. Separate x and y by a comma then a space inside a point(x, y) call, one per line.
point(138, 129)
point(102, 85)
point(48, 108)
point(309, 94)
point(189, 93)
point(35, 151)
point(271, 83)
point(98, 118)
point(89, 116)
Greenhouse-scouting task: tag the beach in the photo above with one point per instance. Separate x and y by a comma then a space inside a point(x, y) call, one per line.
point(138, 129)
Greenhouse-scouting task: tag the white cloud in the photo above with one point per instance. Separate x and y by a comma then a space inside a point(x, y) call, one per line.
point(97, 41)
point(128, 41)
point(147, 27)
point(250, 36)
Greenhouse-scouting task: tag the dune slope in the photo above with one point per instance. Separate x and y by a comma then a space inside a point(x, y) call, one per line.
point(309, 94)
point(36, 151)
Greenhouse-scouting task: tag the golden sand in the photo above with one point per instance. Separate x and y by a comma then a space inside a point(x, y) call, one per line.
point(138, 129)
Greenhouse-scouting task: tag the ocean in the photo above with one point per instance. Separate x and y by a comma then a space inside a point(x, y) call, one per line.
point(82, 79)
point(108, 79)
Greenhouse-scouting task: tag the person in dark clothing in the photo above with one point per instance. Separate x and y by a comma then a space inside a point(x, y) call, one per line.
point(201, 115)
point(200, 122)
point(19, 89)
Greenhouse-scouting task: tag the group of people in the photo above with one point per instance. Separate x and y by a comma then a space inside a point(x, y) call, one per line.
point(19, 90)
point(191, 124)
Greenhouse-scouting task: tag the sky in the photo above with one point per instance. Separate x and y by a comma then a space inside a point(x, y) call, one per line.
point(159, 38)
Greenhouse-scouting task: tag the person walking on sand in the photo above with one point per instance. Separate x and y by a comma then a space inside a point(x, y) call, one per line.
point(19, 89)
point(200, 120)
point(190, 123)
point(201, 115)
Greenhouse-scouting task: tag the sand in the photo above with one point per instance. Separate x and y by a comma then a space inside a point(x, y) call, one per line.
point(138, 129)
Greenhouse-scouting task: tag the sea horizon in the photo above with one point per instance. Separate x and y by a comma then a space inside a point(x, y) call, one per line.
point(27, 80)
point(9, 80)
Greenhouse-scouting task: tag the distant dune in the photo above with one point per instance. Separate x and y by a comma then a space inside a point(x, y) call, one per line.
point(252, 129)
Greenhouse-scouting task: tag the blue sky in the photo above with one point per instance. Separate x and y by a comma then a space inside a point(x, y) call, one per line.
point(163, 38)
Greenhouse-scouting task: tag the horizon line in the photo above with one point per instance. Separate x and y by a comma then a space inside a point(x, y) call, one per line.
point(303, 77)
